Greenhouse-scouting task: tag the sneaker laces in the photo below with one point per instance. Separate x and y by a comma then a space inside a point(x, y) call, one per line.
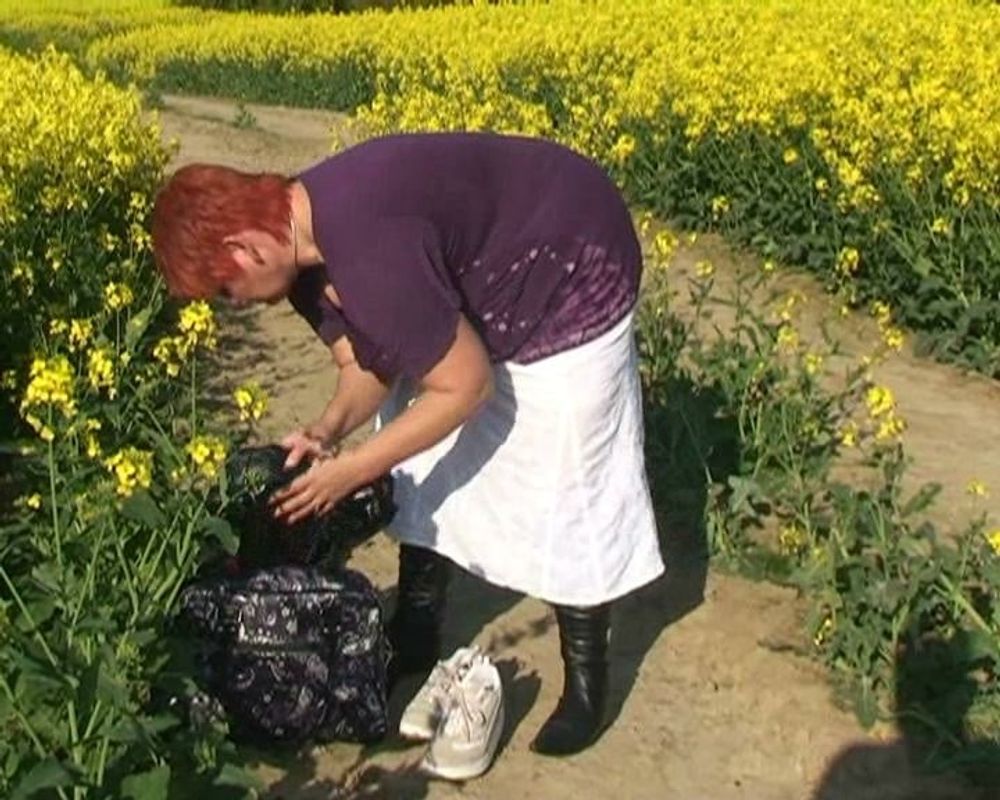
point(468, 715)
point(444, 677)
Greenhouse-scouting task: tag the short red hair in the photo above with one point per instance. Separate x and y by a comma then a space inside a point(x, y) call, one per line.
point(198, 208)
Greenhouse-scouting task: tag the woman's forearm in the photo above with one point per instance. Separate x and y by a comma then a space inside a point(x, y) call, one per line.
point(356, 399)
point(425, 423)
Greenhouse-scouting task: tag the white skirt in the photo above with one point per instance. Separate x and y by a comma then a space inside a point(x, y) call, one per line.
point(544, 490)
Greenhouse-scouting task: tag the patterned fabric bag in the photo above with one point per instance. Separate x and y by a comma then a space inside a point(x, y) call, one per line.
point(289, 654)
point(289, 645)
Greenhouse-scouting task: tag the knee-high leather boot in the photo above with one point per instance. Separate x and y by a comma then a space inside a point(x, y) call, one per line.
point(578, 718)
point(415, 629)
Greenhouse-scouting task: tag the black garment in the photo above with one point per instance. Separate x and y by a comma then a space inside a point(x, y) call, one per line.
point(415, 629)
point(579, 716)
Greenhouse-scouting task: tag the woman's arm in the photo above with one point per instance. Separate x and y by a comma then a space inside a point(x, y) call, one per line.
point(358, 396)
point(356, 399)
point(451, 392)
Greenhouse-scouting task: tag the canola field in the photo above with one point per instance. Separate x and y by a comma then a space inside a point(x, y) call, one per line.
point(860, 140)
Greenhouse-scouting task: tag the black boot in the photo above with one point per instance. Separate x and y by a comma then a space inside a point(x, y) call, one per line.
point(415, 629)
point(577, 720)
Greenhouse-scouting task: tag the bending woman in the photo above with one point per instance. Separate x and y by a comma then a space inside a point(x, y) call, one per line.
point(477, 291)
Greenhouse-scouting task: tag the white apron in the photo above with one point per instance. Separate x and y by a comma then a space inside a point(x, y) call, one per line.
point(543, 490)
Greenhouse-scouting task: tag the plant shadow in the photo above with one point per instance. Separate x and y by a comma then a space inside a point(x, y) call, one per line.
point(939, 755)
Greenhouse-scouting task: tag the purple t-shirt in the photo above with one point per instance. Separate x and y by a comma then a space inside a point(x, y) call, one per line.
point(530, 241)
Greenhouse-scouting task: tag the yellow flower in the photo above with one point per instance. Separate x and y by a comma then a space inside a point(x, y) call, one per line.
point(251, 400)
point(767, 267)
point(790, 156)
point(977, 488)
point(812, 363)
point(849, 435)
point(32, 501)
point(893, 338)
point(692, 237)
point(788, 338)
point(117, 296)
point(720, 205)
point(824, 630)
point(207, 453)
point(645, 221)
point(623, 148)
point(994, 540)
point(704, 269)
point(197, 324)
point(664, 245)
point(90, 440)
point(172, 352)
point(791, 540)
point(50, 383)
point(80, 332)
point(882, 313)
point(821, 184)
point(132, 469)
point(941, 226)
point(880, 401)
point(101, 370)
point(848, 260)
point(890, 426)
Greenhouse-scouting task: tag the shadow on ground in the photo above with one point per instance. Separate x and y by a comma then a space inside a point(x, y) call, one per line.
point(939, 756)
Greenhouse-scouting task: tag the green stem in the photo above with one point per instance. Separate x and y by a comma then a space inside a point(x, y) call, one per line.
point(56, 533)
point(963, 601)
point(194, 394)
point(31, 620)
point(25, 723)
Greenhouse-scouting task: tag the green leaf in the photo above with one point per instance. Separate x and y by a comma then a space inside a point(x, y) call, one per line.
point(47, 774)
point(140, 507)
point(223, 531)
point(137, 326)
point(151, 785)
point(232, 775)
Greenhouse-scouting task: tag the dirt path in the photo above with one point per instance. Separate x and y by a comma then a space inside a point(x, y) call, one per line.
point(706, 705)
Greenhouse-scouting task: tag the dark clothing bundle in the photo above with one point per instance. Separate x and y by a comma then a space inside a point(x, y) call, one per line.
point(289, 644)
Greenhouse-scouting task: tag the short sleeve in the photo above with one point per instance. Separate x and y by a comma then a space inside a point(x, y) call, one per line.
point(399, 299)
point(308, 298)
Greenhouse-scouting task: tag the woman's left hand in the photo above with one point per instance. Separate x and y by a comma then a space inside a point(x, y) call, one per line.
point(316, 491)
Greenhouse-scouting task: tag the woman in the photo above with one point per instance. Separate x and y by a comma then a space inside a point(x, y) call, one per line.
point(477, 291)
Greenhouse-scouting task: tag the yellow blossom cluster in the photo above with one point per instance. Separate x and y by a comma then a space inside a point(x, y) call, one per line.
point(882, 410)
point(251, 401)
point(891, 335)
point(926, 108)
point(132, 469)
point(197, 329)
point(197, 325)
point(117, 296)
point(50, 388)
point(207, 454)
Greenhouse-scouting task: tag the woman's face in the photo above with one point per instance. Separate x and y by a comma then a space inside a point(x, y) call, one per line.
point(266, 269)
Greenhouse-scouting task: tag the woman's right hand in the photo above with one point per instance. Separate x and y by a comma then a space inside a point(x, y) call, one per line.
point(303, 443)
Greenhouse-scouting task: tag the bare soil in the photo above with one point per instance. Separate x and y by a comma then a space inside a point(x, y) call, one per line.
point(707, 699)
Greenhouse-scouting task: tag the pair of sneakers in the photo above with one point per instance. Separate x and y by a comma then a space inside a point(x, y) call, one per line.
point(459, 710)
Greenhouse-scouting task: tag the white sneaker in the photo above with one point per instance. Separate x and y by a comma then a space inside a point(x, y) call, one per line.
point(467, 737)
point(423, 714)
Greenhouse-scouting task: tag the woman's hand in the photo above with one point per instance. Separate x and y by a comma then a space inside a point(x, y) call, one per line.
point(316, 491)
point(304, 443)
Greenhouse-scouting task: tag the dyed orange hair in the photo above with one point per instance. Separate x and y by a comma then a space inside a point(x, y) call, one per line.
point(198, 207)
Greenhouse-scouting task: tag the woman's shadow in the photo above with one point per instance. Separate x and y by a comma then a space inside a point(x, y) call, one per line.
point(939, 756)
